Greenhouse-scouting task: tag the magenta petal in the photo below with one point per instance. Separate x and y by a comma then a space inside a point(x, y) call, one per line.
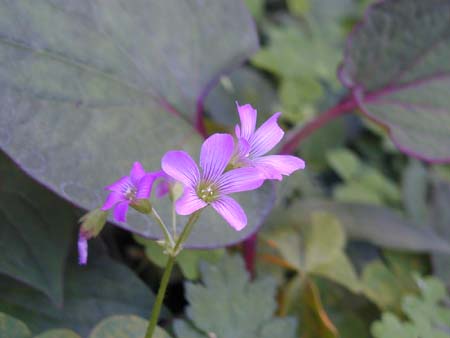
point(162, 188)
point(120, 211)
point(189, 202)
point(82, 250)
point(273, 166)
point(247, 115)
point(121, 185)
point(240, 179)
point(112, 199)
point(215, 154)
point(136, 173)
point(231, 211)
point(144, 187)
point(266, 136)
point(181, 167)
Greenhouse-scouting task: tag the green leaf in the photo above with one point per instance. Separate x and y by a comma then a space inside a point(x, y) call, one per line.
point(87, 88)
point(346, 164)
point(92, 292)
point(244, 85)
point(379, 225)
point(427, 318)
point(58, 333)
point(299, 7)
point(187, 260)
point(11, 327)
point(414, 191)
point(36, 228)
point(124, 327)
point(228, 305)
point(401, 77)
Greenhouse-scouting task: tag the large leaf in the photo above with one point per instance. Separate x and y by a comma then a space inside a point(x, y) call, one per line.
point(13, 328)
point(36, 229)
point(240, 309)
point(379, 225)
point(397, 65)
point(89, 87)
point(91, 293)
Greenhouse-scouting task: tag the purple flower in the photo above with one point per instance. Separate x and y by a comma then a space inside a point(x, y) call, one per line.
point(129, 190)
point(211, 185)
point(252, 145)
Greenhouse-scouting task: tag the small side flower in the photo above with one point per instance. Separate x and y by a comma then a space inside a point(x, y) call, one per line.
point(253, 145)
point(132, 190)
point(91, 225)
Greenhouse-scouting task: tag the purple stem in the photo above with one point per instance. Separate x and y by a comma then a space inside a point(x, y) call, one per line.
point(249, 247)
point(345, 106)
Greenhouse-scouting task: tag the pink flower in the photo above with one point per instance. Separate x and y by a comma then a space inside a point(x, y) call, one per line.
point(129, 190)
point(252, 145)
point(211, 185)
point(82, 249)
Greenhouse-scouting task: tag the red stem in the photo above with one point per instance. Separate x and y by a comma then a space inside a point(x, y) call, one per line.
point(345, 106)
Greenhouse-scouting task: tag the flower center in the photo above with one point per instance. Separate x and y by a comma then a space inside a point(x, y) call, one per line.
point(207, 192)
point(130, 193)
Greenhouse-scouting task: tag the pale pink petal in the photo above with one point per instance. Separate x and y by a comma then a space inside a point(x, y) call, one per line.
point(112, 199)
point(121, 185)
point(266, 137)
point(189, 202)
point(247, 115)
point(231, 211)
point(144, 187)
point(120, 211)
point(181, 167)
point(82, 249)
point(240, 179)
point(136, 173)
point(273, 166)
point(215, 155)
point(242, 148)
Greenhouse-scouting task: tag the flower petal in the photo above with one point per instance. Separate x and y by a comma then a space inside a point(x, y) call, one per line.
point(273, 166)
point(266, 137)
point(231, 211)
point(189, 202)
point(120, 211)
point(247, 115)
point(136, 173)
point(112, 199)
point(240, 179)
point(181, 167)
point(144, 187)
point(82, 249)
point(121, 185)
point(162, 188)
point(215, 154)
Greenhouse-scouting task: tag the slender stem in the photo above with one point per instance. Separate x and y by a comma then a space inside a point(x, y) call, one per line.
point(160, 297)
point(345, 106)
point(163, 227)
point(166, 276)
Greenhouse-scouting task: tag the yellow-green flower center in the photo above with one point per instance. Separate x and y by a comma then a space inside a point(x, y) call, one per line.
point(207, 192)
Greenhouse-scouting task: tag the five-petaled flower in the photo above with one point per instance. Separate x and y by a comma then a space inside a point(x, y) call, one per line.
point(129, 190)
point(253, 145)
point(211, 185)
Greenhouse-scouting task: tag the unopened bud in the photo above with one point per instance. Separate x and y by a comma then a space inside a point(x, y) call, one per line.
point(143, 206)
point(93, 222)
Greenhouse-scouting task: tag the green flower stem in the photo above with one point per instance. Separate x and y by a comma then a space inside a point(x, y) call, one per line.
point(167, 272)
point(167, 235)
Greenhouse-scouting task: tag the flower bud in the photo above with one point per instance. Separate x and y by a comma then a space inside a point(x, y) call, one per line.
point(142, 205)
point(93, 222)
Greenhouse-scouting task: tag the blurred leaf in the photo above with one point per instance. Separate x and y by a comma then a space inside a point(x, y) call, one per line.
point(379, 225)
point(355, 192)
point(58, 333)
point(344, 162)
point(187, 260)
point(92, 292)
point(427, 318)
point(244, 85)
point(11, 327)
point(400, 77)
point(414, 191)
point(240, 309)
point(299, 7)
point(36, 228)
point(124, 327)
point(87, 88)
point(317, 247)
point(256, 7)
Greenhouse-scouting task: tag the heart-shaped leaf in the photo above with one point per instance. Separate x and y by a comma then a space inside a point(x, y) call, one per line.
point(89, 87)
point(397, 66)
